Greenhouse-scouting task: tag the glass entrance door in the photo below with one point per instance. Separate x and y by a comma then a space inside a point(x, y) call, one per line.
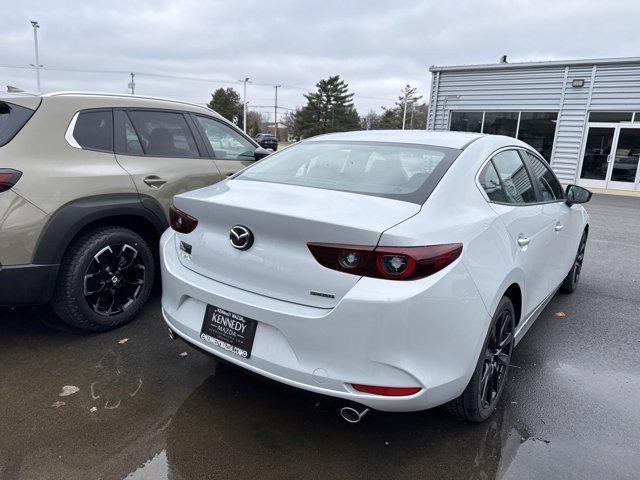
point(624, 168)
point(611, 156)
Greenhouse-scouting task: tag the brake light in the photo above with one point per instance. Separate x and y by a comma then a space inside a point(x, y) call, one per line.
point(8, 178)
point(387, 391)
point(180, 221)
point(393, 263)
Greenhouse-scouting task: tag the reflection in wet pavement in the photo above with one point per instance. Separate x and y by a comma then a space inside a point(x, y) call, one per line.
point(143, 411)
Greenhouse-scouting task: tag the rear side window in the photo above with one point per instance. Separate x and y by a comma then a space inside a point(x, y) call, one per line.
point(94, 130)
point(163, 134)
point(490, 182)
point(12, 119)
point(515, 180)
point(549, 186)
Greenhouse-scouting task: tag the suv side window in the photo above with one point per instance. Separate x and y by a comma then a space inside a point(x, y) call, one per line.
point(514, 178)
point(226, 143)
point(163, 134)
point(12, 119)
point(549, 185)
point(126, 139)
point(94, 130)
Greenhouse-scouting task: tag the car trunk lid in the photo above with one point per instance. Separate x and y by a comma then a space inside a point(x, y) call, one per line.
point(282, 219)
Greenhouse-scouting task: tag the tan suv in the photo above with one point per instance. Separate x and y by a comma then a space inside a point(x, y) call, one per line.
point(86, 181)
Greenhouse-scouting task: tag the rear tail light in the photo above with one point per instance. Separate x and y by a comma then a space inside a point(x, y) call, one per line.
point(393, 263)
point(387, 391)
point(180, 221)
point(8, 178)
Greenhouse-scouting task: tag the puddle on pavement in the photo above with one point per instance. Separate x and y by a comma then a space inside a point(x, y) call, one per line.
point(238, 425)
point(162, 416)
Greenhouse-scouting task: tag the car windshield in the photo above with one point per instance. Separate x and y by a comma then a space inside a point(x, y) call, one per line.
point(394, 170)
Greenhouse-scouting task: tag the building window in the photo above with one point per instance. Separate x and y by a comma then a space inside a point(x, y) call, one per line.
point(610, 117)
point(538, 129)
point(501, 123)
point(466, 122)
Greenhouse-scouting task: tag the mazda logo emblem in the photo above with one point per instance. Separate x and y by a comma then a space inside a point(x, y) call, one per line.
point(240, 237)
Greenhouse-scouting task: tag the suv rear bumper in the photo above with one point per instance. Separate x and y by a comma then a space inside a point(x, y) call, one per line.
point(27, 284)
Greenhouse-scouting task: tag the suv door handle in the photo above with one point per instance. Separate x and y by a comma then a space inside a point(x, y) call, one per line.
point(154, 181)
point(558, 226)
point(523, 241)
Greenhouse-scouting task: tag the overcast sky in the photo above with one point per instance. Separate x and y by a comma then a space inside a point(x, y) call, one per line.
point(376, 46)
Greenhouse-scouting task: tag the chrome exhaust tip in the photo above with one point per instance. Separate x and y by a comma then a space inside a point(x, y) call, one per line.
point(172, 335)
point(353, 414)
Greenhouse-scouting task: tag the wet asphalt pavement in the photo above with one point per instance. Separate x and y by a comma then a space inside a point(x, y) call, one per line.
point(571, 409)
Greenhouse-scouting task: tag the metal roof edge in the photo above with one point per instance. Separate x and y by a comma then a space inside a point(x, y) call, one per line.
point(549, 63)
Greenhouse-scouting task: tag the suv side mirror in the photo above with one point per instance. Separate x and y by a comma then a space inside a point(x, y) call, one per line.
point(260, 153)
point(576, 194)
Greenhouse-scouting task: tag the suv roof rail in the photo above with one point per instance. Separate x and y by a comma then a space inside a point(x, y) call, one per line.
point(125, 95)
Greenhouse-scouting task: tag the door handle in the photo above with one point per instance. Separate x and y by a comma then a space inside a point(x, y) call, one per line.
point(558, 227)
point(229, 174)
point(154, 181)
point(523, 241)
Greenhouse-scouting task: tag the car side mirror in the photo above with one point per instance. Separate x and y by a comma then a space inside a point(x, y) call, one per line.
point(260, 153)
point(576, 194)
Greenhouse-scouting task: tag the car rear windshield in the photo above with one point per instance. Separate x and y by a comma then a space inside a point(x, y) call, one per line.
point(400, 171)
point(12, 119)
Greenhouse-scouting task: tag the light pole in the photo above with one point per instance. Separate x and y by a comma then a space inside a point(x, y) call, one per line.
point(404, 115)
point(36, 26)
point(275, 112)
point(244, 106)
point(413, 106)
point(132, 83)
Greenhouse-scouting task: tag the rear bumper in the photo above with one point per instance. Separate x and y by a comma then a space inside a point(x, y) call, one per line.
point(425, 333)
point(27, 284)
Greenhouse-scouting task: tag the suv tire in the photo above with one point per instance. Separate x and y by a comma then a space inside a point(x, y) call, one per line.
point(479, 399)
point(105, 279)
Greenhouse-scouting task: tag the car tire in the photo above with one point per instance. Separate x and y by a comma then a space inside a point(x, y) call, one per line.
point(104, 280)
point(571, 280)
point(479, 399)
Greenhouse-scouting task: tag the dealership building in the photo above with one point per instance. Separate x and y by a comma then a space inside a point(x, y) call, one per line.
point(583, 116)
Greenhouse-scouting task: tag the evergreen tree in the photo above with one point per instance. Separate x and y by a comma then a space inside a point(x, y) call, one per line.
point(329, 109)
point(227, 102)
point(391, 118)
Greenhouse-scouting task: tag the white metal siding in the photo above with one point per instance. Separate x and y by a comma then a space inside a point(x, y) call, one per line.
point(607, 86)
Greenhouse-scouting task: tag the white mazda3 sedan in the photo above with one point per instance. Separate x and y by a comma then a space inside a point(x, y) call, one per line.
point(395, 270)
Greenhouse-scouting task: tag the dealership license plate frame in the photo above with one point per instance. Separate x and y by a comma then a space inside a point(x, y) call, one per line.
point(229, 331)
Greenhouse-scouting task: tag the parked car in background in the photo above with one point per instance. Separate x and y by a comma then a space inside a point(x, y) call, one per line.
point(267, 140)
point(86, 181)
point(396, 270)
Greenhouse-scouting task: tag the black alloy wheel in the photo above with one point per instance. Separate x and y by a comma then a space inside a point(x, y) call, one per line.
point(105, 279)
point(483, 392)
point(114, 279)
point(570, 282)
point(497, 357)
point(580, 257)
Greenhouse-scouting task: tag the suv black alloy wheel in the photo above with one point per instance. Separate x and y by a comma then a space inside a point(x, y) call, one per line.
point(105, 279)
point(114, 279)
